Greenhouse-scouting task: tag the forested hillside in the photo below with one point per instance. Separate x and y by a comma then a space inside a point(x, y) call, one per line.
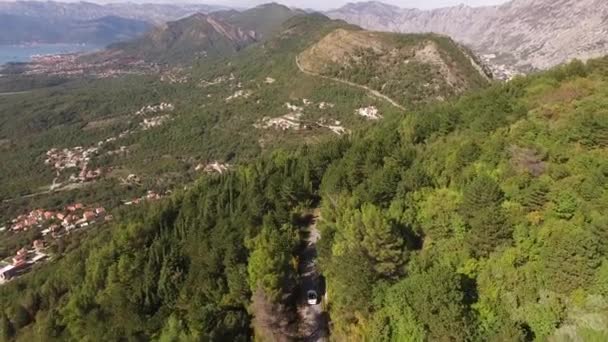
point(227, 109)
point(480, 218)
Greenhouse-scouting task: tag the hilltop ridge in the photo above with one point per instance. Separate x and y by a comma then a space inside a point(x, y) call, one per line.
point(411, 69)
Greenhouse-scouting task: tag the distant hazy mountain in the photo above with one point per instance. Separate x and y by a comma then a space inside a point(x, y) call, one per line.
point(263, 19)
point(522, 33)
point(205, 35)
point(199, 35)
point(83, 22)
point(16, 29)
point(157, 13)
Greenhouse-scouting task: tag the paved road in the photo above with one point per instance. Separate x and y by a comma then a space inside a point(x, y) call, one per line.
point(313, 321)
point(369, 90)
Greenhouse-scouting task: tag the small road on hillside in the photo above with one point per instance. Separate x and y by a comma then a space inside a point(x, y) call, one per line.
point(14, 93)
point(373, 92)
point(314, 325)
point(54, 188)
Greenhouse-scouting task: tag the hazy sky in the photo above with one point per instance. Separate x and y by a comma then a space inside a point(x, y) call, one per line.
point(328, 4)
point(316, 4)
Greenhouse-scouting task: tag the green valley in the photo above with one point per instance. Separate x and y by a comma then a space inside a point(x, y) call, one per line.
point(449, 207)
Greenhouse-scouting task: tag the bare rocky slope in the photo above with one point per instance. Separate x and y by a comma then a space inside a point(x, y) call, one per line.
point(520, 34)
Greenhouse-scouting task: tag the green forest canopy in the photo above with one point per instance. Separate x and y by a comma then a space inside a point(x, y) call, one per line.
point(476, 219)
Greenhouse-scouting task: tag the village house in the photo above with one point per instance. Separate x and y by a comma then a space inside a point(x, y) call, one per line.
point(89, 215)
point(7, 272)
point(20, 258)
point(38, 245)
point(48, 215)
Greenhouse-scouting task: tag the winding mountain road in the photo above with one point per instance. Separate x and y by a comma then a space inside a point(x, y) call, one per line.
point(373, 92)
point(314, 323)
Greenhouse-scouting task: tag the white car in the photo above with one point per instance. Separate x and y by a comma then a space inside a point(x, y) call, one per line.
point(311, 297)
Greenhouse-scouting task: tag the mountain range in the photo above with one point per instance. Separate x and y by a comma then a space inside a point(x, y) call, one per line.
point(23, 22)
point(521, 34)
point(54, 10)
point(16, 29)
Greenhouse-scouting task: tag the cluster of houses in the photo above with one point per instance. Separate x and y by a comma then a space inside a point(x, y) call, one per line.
point(293, 119)
point(32, 219)
point(54, 222)
point(77, 157)
point(22, 261)
point(162, 107)
point(72, 65)
point(86, 175)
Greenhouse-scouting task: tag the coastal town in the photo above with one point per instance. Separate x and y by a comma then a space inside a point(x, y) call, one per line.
point(78, 65)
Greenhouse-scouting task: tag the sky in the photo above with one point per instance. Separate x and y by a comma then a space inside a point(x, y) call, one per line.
point(318, 4)
point(330, 4)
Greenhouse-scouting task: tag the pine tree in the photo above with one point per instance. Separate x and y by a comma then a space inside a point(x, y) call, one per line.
point(489, 229)
point(482, 192)
point(570, 255)
point(6, 330)
point(484, 215)
point(382, 242)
